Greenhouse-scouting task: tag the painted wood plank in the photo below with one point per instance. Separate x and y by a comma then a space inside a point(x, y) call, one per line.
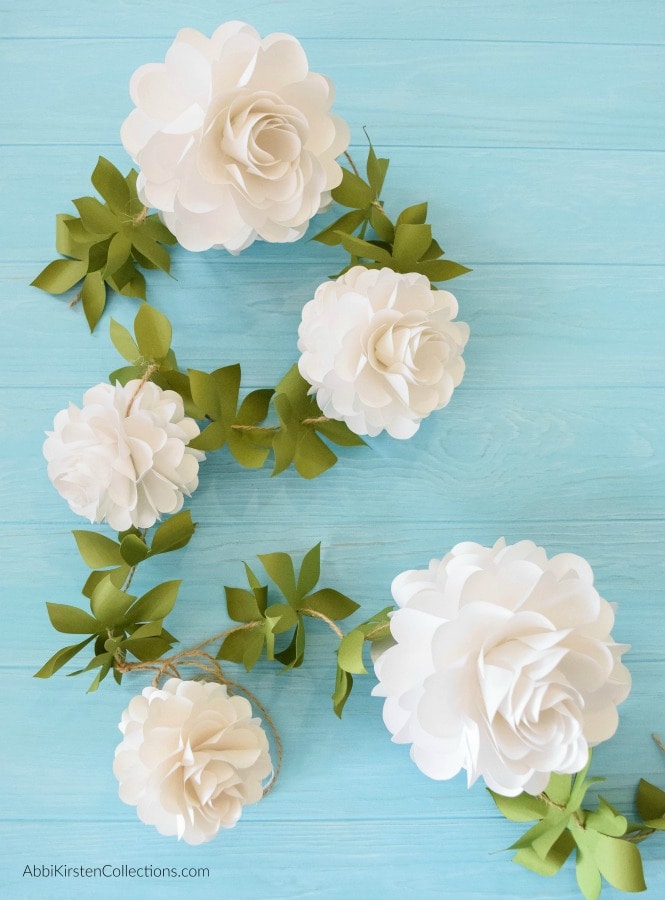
point(319, 750)
point(530, 455)
point(509, 206)
point(532, 326)
point(638, 21)
point(447, 93)
point(360, 557)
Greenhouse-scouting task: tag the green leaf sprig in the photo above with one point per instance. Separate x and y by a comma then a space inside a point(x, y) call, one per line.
point(264, 620)
point(605, 842)
point(215, 397)
point(405, 245)
point(105, 243)
point(119, 623)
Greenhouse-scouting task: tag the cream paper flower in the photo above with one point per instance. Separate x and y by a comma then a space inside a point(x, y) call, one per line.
point(123, 457)
point(234, 138)
point(503, 665)
point(191, 757)
point(381, 349)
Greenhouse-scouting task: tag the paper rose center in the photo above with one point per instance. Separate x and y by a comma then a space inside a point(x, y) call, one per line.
point(395, 344)
point(252, 135)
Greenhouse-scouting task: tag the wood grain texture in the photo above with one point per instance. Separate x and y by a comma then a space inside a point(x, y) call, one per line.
point(535, 130)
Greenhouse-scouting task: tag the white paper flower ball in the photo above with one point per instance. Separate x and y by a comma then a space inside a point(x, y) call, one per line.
point(503, 665)
point(234, 138)
point(191, 757)
point(381, 349)
point(123, 457)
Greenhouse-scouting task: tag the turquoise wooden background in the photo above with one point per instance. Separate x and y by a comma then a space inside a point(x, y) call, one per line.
point(535, 129)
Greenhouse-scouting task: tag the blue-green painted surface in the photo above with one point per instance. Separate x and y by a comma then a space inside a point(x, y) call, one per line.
point(535, 130)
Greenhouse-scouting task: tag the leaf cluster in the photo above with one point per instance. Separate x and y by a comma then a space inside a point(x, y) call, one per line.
point(105, 243)
point(119, 623)
point(405, 245)
point(265, 623)
point(604, 840)
point(215, 396)
point(350, 655)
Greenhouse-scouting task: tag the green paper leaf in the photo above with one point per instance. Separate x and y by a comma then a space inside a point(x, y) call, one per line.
point(148, 648)
point(606, 820)
point(149, 249)
point(205, 394)
point(312, 457)
point(210, 439)
point(58, 660)
point(376, 170)
point(245, 450)
point(559, 787)
point(97, 550)
point(365, 249)
point(543, 835)
point(66, 241)
point(174, 533)
point(254, 408)
point(523, 808)
point(331, 604)
point(101, 675)
point(133, 549)
point(382, 225)
point(240, 646)
point(128, 281)
point(157, 230)
point(148, 630)
point(93, 298)
point(71, 619)
point(253, 649)
point(343, 687)
point(350, 653)
point(96, 218)
point(411, 241)
point(242, 605)
point(92, 581)
point(292, 657)
point(157, 603)
point(283, 443)
point(60, 275)
point(352, 191)
point(118, 253)
point(280, 617)
point(123, 342)
point(254, 582)
point(413, 215)
point(310, 571)
point(619, 861)
point(339, 433)
point(108, 603)
point(126, 373)
point(561, 850)
point(650, 801)
point(153, 333)
point(587, 874)
point(279, 567)
point(346, 224)
point(111, 185)
point(441, 269)
point(227, 382)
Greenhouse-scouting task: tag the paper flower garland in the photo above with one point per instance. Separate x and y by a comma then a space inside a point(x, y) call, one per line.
point(123, 458)
point(191, 757)
point(381, 350)
point(234, 138)
point(503, 665)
